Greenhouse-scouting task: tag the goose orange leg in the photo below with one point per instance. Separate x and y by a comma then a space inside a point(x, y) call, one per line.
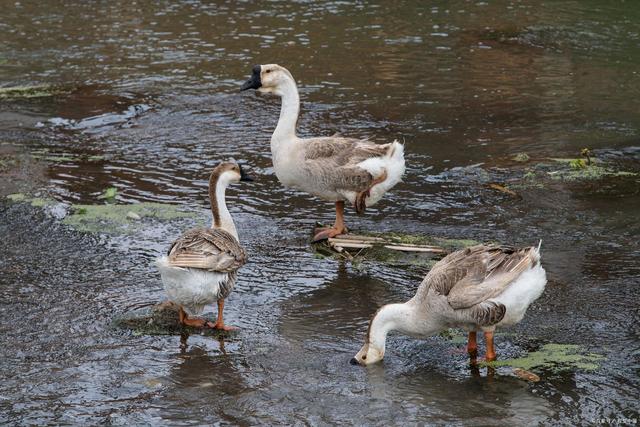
point(360, 202)
point(194, 322)
point(338, 226)
point(220, 322)
point(472, 345)
point(491, 352)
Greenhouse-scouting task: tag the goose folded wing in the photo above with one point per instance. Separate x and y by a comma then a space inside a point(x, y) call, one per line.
point(343, 151)
point(208, 249)
point(497, 269)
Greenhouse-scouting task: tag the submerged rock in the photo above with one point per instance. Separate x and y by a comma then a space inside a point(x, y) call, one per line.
point(554, 357)
point(112, 218)
point(162, 319)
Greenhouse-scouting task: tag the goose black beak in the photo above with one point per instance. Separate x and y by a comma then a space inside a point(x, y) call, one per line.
point(354, 361)
point(244, 176)
point(254, 82)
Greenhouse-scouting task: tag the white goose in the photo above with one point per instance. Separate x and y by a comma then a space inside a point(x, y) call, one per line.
point(201, 266)
point(475, 289)
point(331, 168)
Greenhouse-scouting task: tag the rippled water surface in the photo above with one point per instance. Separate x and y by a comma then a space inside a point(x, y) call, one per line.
point(149, 103)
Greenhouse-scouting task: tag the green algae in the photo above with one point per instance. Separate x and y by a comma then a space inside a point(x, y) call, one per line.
point(17, 197)
point(554, 357)
point(109, 194)
point(587, 173)
point(113, 218)
point(521, 158)
point(25, 92)
point(38, 202)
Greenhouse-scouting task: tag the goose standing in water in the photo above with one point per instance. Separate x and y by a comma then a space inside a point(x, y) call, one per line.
point(332, 168)
point(476, 289)
point(201, 265)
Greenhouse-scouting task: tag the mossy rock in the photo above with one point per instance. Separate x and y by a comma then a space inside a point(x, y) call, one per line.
point(521, 158)
point(113, 218)
point(554, 357)
point(162, 319)
point(38, 202)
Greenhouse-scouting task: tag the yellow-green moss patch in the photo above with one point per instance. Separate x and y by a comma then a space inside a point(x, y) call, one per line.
point(120, 218)
point(38, 91)
point(554, 357)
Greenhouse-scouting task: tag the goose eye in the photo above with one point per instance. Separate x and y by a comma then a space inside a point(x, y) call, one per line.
point(364, 357)
point(267, 71)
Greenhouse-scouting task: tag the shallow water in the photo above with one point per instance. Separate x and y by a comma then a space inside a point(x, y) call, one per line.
point(151, 104)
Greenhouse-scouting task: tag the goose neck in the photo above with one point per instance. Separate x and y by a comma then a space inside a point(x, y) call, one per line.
point(289, 111)
point(405, 318)
point(221, 216)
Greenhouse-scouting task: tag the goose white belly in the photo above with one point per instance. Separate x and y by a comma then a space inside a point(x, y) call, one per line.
point(521, 293)
point(191, 288)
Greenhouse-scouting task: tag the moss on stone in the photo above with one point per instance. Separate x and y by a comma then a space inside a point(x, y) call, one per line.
point(17, 197)
point(37, 202)
point(114, 218)
point(162, 319)
point(555, 357)
point(521, 157)
point(38, 91)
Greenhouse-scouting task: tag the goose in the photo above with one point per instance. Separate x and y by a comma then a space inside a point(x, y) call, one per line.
point(476, 289)
point(201, 265)
point(331, 168)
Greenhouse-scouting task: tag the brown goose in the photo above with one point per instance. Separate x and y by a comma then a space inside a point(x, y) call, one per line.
point(332, 168)
point(201, 266)
point(475, 289)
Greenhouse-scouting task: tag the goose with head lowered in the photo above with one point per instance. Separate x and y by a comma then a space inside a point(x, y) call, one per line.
point(476, 289)
point(332, 168)
point(201, 266)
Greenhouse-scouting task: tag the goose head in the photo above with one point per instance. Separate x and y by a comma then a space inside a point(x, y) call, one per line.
point(228, 172)
point(391, 317)
point(368, 355)
point(269, 78)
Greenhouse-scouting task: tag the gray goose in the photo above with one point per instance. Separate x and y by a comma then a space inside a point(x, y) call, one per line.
point(201, 265)
point(476, 289)
point(332, 168)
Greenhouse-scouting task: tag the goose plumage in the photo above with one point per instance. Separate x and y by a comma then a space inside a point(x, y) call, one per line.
point(201, 265)
point(332, 168)
point(476, 289)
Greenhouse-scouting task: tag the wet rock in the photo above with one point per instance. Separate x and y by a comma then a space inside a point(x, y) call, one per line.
point(162, 319)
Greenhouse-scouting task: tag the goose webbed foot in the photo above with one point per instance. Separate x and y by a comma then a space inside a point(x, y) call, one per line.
point(338, 226)
point(219, 325)
point(194, 322)
point(223, 327)
point(326, 233)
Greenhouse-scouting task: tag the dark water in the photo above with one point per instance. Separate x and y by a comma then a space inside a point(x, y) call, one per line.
point(152, 88)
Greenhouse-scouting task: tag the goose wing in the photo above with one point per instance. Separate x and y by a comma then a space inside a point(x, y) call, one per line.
point(471, 277)
point(334, 161)
point(207, 249)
